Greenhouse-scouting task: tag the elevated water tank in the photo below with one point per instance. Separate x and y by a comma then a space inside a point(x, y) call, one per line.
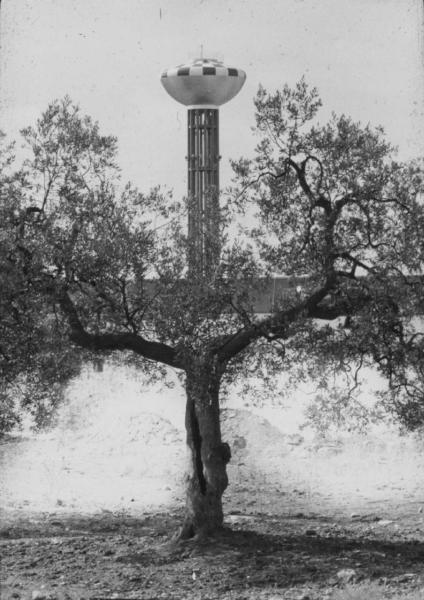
point(203, 83)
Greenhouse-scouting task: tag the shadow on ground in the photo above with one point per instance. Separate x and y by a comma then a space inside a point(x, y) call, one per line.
point(135, 557)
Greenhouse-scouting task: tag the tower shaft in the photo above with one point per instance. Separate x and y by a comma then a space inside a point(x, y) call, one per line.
point(203, 189)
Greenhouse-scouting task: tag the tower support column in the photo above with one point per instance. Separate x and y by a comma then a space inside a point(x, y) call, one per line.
point(203, 190)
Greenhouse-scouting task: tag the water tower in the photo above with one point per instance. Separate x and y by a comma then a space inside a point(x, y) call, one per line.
point(203, 85)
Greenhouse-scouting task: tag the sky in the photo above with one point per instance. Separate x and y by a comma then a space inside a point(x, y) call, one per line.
point(366, 57)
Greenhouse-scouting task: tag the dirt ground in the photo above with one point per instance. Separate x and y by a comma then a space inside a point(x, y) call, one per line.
point(89, 511)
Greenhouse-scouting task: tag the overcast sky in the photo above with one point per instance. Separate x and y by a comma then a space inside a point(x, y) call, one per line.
point(365, 57)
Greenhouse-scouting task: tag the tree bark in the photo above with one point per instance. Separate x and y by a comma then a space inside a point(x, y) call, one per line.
point(207, 477)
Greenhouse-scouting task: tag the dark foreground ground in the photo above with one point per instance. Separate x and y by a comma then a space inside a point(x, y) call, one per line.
point(114, 555)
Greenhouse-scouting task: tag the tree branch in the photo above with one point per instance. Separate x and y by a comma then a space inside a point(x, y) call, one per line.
point(155, 351)
point(319, 201)
point(278, 325)
point(236, 343)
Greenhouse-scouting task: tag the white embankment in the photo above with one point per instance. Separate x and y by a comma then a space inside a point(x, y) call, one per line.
point(119, 444)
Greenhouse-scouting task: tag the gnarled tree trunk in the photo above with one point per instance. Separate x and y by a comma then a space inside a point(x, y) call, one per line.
point(207, 478)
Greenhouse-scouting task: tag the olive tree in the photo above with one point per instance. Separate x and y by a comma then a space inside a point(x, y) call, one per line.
point(106, 267)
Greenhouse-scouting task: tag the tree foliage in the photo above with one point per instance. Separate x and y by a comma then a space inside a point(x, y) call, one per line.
point(36, 360)
point(335, 206)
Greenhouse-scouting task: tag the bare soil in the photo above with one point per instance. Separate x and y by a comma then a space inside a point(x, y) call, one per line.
point(117, 555)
